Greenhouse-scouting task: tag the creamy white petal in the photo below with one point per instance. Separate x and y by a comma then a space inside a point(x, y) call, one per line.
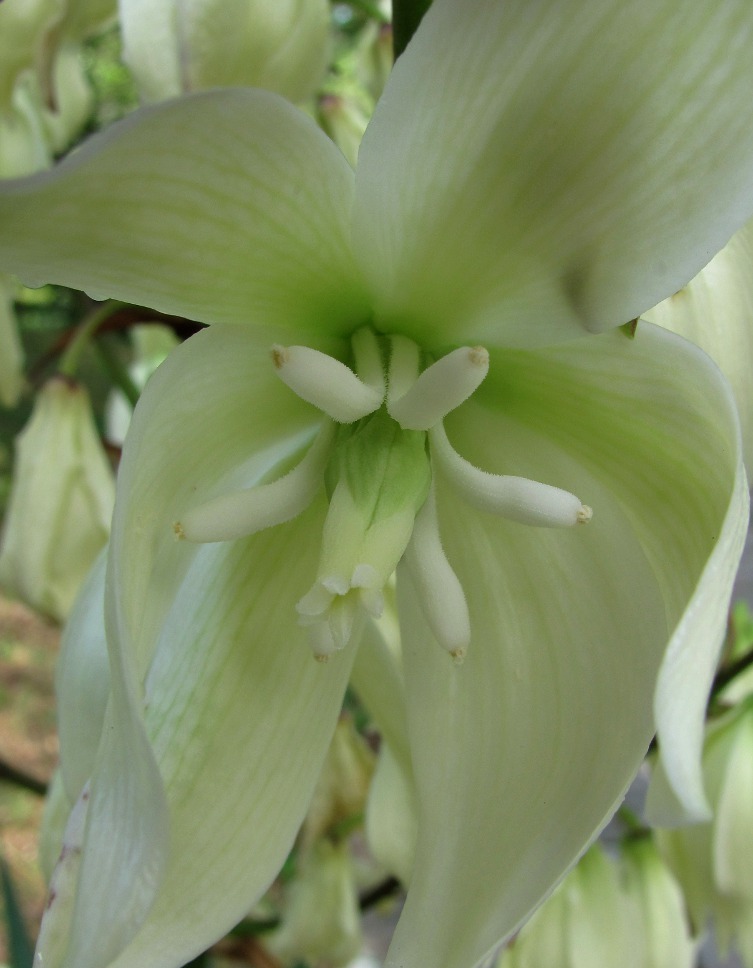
point(521, 754)
point(537, 166)
point(228, 206)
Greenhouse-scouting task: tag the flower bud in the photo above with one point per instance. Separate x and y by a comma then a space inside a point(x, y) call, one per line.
point(173, 48)
point(340, 794)
point(61, 501)
point(661, 933)
point(584, 924)
point(322, 925)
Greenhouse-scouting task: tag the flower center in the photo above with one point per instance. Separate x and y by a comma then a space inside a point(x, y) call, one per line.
point(376, 453)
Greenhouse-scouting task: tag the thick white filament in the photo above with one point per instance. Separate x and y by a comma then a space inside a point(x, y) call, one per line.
point(516, 498)
point(245, 512)
point(326, 383)
point(440, 388)
point(440, 593)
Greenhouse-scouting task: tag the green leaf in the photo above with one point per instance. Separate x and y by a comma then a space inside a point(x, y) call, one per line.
point(20, 949)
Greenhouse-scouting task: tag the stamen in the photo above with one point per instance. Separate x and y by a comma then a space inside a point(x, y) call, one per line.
point(516, 498)
point(440, 593)
point(440, 388)
point(369, 366)
point(326, 383)
point(245, 512)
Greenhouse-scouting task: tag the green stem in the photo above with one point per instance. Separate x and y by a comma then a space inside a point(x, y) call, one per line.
point(70, 360)
point(406, 16)
point(631, 820)
point(730, 672)
point(117, 371)
point(370, 9)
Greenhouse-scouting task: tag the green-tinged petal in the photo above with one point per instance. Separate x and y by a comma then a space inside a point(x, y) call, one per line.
point(117, 835)
point(536, 167)
point(521, 754)
point(82, 682)
point(11, 351)
point(212, 419)
point(232, 694)
point(228, 206)
point(682, 483)
point(715, 310)
point(210, 634)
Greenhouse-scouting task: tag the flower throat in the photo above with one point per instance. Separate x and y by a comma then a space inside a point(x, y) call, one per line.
point(379, 449)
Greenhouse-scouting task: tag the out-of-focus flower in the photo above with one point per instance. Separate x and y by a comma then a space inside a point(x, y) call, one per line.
point(714, 861)
point(176, 47)
point(321, 922)
point(659, 931)
point(622, 913)
point(340, 795)
point(584, 924)
point(62, 494)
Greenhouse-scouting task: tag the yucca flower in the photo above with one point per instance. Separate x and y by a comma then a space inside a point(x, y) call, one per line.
point(417, 367)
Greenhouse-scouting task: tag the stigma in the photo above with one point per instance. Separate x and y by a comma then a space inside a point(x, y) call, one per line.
point(379, 451)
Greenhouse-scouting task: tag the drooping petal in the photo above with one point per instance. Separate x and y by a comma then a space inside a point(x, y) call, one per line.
point(537, 167)
point(236, 703)
point(217, 684)
point(229, 206)
point(715, 310)
point(521, 754)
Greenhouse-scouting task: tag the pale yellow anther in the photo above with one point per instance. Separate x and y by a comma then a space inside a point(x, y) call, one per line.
point(479, 356)
point(180, 534)
point(279, 355)
point(585, 514)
